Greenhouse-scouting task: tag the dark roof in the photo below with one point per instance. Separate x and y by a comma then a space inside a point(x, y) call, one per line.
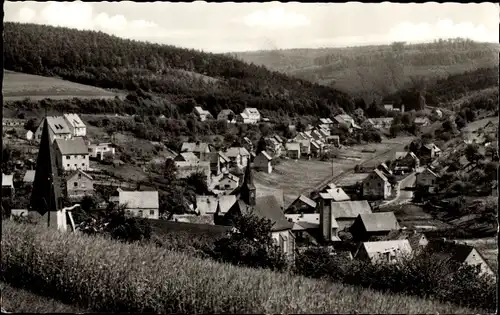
point(166, 227)
point(46, 193)
point(379, 221)
point(449, 250)
point(268, 207)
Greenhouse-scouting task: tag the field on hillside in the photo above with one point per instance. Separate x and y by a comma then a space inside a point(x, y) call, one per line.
point(18, 86)
point(295, 177)
point(105, 275)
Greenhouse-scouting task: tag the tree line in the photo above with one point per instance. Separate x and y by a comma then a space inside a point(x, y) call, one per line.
point(214, 81)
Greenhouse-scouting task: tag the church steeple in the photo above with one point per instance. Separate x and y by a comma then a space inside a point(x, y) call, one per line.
point(46, 193)
point(248, 188)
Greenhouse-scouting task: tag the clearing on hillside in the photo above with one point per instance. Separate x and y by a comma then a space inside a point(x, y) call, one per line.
point(18, 86)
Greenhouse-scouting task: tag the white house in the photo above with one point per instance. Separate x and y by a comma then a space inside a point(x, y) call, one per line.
point(249, 116)
point(202, 114)
point(262, 162)
point(100, 150)
point(384, 251)
point(142, 204)
point(76, 125)
point(238, 155)
point(58, 129)
point(72, 154)
point(376, 185)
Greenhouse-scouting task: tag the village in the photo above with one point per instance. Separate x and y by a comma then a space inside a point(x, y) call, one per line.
point(350, 208)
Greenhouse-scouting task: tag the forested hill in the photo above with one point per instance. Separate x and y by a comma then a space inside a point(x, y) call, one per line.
point(187, 78)
point(378, 70)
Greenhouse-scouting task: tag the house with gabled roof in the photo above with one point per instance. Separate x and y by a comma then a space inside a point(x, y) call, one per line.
point(388, 252)
point(72, 154)
point(208, 205)
point(459, 255)
point(325, 121)
point(293, 150)
point(301, 205)
point(239, 156)
point(214, 159)
point(100, 150)
point(186, 157)
point(381, 123)
point(346, 121)
point(202, 113)
point(58, 128)
point(227, 115)
point(198, 148)
point(418, 241)
point(346, 212)
point(430, 150)
point(79, 184)
point(141, 204)
point(265, 207)
point(334, 193)
point(421, 121)
point(249, 116)
point(262, 162)
point(426, 178)
point(76, 125)
point(376, 186)
point(368, 225)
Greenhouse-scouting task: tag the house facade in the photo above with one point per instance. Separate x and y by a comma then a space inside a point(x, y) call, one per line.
point(198, 148)
point(238, 156)
point(58, 129)
point(389, 252)
point(72, 154)
point(202, 114)
point(293, 150)
point(76, 125)
point(373, 224)
point(101, 150)
point(227, 115)
point(376, 185)
point(79, 184)
point(141, 204)
point(249, 116)
point(262, 162)
point(7, 185)
point(426, 178)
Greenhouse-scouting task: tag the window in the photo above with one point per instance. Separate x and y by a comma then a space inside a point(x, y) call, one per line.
point(379, 185)
point(79, 175)
point(151, 212)
point(83, 164)
point(140, 213)
point(67, 165)
point(67, 157)
point(76, 165)
point(75, 184)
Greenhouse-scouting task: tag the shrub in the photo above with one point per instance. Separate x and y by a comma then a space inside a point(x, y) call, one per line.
point(104, 275)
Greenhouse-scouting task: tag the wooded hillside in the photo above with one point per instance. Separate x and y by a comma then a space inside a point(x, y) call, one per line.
point(185, 77)
point(376, 71)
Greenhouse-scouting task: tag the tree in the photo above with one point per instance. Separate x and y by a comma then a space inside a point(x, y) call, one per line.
point(31, 125)
point(250, 244)
point(88, 203)
point(261, 145)
point(170, 170)
point(197, 182)
point(472, 153)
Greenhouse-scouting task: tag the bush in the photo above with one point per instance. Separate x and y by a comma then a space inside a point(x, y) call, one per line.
point(422, 275)
point(250, 244)
point(104, 275)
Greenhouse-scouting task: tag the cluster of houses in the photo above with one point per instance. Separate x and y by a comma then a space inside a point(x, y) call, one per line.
point(249, 115)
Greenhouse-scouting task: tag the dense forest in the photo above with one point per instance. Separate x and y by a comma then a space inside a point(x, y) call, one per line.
point(377, 71)
point(442, 91)
point(182, 76)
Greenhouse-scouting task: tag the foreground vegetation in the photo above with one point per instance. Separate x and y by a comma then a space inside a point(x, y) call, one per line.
point(17, 300)
point(105, 275)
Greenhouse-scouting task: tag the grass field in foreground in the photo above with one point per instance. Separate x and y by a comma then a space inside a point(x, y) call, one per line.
point(17, 300)
point(106, 275)
point(18, 86)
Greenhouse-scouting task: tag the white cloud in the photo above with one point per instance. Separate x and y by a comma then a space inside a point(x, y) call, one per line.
point(70, 14)
point(26, 15)
point(442, 29)
point(276, 18)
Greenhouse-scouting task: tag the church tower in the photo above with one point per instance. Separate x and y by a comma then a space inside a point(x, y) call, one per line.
point(248, 188)
point(46, 194)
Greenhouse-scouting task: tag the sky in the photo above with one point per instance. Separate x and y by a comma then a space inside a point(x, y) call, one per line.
point(232, 27)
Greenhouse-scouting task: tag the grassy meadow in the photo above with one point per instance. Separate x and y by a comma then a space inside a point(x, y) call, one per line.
point(18, 86)
point(104, 275)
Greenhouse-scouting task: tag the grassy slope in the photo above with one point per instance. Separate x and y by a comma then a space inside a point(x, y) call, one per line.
point(18, 86)
point(110, 276)
point(17, 300)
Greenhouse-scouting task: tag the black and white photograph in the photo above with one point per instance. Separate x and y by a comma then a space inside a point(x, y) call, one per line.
point(249, 158)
